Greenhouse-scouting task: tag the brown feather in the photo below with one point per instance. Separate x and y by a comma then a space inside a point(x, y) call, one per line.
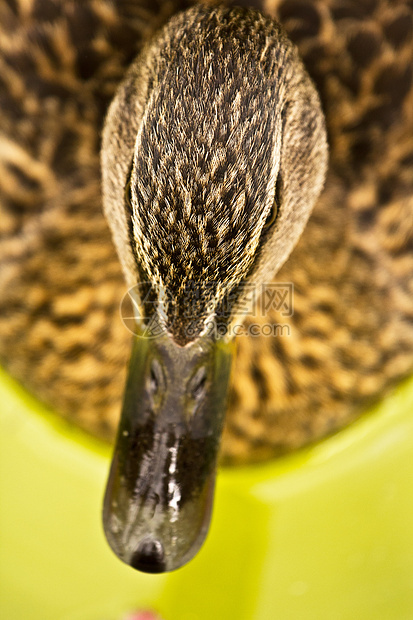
point(351, 334)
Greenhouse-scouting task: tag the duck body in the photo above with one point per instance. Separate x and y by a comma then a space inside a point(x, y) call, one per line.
point(350, 334)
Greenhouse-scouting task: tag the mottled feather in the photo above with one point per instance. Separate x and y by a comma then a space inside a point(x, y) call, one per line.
point(350, 338)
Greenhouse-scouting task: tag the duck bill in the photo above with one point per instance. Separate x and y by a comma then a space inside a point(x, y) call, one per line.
point(159, 495)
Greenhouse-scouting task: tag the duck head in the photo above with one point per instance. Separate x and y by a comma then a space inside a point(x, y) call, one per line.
point(214, 153)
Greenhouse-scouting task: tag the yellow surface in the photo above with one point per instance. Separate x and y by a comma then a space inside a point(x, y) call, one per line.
point(325, 534)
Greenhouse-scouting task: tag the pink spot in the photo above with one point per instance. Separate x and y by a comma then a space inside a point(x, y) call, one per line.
point(143, 615)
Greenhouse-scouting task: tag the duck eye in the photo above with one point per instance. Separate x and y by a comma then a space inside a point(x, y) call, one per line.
point(272, 215)
point(128, 194)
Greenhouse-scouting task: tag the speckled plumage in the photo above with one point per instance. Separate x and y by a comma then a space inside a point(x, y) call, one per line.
point(351, 334)
point(223, 111)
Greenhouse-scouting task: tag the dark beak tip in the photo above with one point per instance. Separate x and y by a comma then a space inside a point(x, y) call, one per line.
point(149, 557)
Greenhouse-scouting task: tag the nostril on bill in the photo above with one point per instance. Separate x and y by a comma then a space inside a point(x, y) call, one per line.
point(197, 384)
point(149, 557)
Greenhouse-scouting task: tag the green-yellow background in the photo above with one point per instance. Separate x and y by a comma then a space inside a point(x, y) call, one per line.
point(325, 534)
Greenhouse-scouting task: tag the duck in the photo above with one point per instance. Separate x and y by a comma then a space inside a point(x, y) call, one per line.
point(238, 181)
